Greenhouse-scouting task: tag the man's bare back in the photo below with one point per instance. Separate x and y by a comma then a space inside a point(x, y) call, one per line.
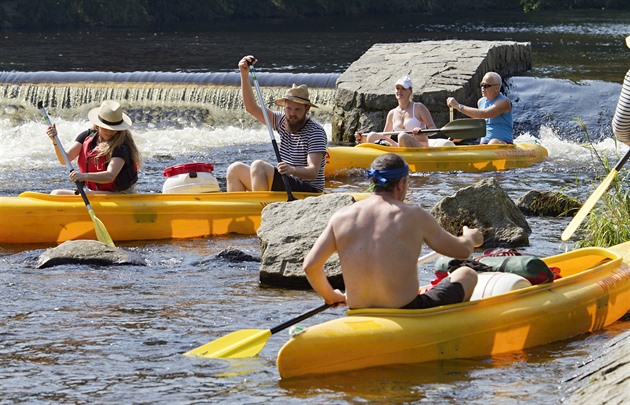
point(379, 240)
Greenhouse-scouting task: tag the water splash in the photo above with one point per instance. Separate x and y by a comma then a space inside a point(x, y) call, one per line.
point(160, 104)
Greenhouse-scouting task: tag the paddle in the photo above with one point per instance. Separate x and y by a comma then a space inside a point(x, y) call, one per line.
point(595, 196)
point(428, 257)
point(463, 128)
point(101, 232)
point(249, 342)
point(246, 342)
point(287, 186)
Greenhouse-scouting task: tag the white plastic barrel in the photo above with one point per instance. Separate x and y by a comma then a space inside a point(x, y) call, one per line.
point(495, 283)
point(190, 178)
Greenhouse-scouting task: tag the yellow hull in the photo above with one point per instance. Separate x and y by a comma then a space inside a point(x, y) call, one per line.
point(43, 218)
point(472, 158)
point(594, 292)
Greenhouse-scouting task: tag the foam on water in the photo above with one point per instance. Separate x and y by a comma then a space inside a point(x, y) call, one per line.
point(27, 142)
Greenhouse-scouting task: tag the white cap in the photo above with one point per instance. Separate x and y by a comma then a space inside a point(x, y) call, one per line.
point(405, 81)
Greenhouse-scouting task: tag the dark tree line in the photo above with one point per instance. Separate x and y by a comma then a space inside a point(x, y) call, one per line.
point(163, 14)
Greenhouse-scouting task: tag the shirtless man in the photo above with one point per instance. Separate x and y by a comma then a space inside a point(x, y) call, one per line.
point(379, 240)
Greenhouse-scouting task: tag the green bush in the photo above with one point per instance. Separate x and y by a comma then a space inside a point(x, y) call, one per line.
point(608, 223)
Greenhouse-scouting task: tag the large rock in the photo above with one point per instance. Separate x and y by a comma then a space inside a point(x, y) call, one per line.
point(233, 254)
point(287, 233)
point(439, 69)
point(604, 378)
point(486, 206)
point(548, 203)
point(88, 252)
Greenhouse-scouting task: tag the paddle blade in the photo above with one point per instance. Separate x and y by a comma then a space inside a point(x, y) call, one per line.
point(588, 206)
point(428, 257)
point(465, 128)
point(239, 344)
point(101, 232)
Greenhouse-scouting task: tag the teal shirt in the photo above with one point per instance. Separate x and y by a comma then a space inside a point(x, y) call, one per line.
point(499, 127)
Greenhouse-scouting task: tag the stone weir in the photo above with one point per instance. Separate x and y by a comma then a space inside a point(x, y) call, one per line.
point(438, 69)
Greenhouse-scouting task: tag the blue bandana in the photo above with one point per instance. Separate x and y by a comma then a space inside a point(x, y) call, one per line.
point(381, 176)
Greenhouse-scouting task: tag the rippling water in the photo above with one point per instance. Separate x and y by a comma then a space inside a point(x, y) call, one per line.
point(85, 334)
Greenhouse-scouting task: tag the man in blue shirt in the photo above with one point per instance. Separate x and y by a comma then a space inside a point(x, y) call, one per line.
point(494, 107)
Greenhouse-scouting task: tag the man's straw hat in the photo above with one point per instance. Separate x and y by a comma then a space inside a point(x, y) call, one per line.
point(297, 94)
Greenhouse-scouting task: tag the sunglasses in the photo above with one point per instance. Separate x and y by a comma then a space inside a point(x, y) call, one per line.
point(486, 85)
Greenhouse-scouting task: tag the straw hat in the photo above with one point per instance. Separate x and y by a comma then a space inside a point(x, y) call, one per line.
point(297, 94)
point(110, 116)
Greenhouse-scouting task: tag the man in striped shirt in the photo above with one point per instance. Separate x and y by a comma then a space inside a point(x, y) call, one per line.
point(621, 119)
point(302, 143)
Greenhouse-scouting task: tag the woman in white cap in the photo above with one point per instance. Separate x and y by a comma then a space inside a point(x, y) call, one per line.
point(408, 116)
point(108, 158)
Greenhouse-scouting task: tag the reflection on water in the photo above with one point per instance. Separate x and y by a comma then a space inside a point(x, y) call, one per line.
point(509, 377)
point(573, 45)
point(512, 377)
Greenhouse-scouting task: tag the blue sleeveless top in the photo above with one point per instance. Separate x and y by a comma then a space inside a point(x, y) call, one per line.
point(498, 127)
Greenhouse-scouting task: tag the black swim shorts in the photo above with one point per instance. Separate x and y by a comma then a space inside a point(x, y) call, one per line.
point(295, 183)
point(443, 293)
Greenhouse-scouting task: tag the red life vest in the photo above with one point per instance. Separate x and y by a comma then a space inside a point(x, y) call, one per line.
point(89, 162)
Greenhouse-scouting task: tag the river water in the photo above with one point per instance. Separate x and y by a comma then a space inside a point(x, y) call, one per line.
point(90, 334)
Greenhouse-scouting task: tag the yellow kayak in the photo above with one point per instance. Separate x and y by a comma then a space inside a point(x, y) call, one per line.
point(468, 158)
point(44, 218)
point(594, 292)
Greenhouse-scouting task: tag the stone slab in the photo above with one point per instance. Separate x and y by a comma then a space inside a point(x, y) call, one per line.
point(439, 69)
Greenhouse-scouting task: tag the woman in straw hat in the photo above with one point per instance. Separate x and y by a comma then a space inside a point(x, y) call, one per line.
point(302, 143)
point(621, 119)
point(108, 158)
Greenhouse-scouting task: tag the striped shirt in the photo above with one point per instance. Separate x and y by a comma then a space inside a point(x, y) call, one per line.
point(621, 119)
point(294, 148)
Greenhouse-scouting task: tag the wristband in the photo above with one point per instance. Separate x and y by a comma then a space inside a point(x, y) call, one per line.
point(460, 106)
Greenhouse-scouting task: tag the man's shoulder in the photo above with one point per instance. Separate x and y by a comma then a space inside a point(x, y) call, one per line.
point(314, 132)
point(312, 125)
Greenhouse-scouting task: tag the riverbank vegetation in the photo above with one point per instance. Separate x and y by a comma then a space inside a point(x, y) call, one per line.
point(608, 223)
point(167, 14)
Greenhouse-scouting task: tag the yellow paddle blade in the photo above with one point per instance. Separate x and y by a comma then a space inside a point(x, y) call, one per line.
point(239, 344)
point(101, 232)
point(588, 206)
